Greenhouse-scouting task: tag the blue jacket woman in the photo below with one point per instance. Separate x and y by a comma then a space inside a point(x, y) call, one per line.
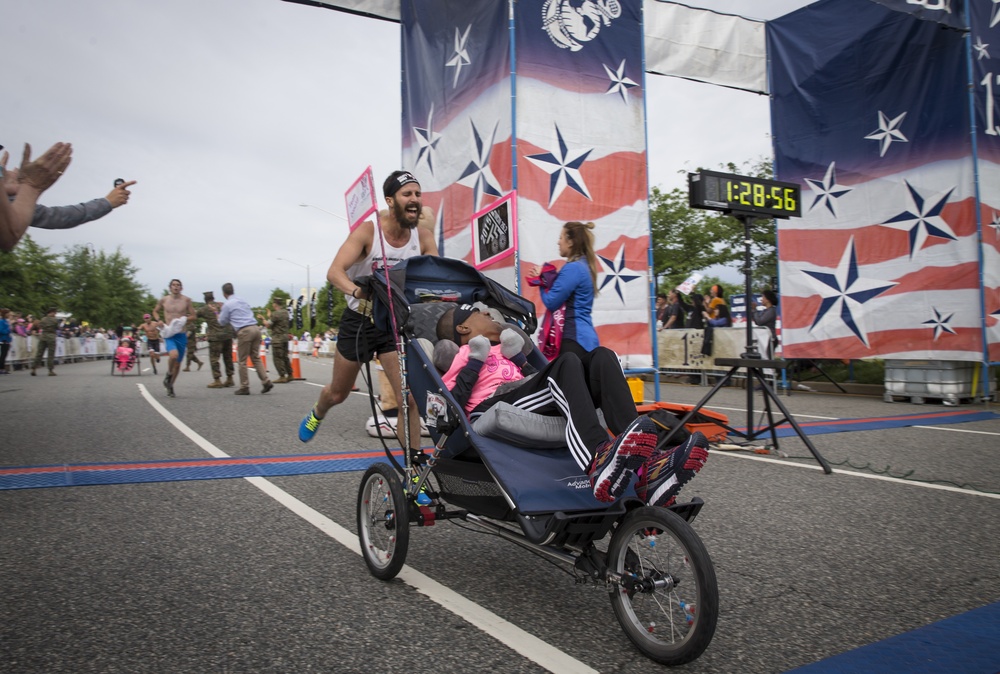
point(574, 287)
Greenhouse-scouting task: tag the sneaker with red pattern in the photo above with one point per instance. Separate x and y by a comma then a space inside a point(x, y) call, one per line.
point(663, 475)
point(617, 460)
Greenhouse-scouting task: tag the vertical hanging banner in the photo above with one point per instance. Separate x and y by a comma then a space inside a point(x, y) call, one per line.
point(457, 114)
point(563, 124)
point(360, 199)
point(298, 312)
point(870, 115)
point(984, 21)
point(494, 232)
point(581, 153)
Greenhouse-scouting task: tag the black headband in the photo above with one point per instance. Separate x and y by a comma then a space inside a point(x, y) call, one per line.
point(461, 315)
point(403, 178)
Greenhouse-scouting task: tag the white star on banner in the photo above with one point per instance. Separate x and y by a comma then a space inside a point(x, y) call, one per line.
point(461, 56)
point(995, 14)
point(845, 292)
point(996, 223)
point(615, 272)
point(982, 50)
point(427, 140)
point(827, 190)
point(478, 174)
point(887, 132)
point(927, 220)
point(563, 168)
point(620, 84)
point(940, 324)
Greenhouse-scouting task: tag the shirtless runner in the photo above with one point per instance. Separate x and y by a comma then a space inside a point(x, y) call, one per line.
point(150, 328)
point(174, 306)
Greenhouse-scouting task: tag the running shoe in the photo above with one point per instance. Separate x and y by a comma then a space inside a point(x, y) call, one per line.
point(423, 498)
point(309, 426)
point(388, 425)
point(616, 461)
point(663, 476)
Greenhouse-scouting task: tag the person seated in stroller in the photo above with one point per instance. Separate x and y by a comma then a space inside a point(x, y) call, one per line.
point(125, 355)
point(491, 367)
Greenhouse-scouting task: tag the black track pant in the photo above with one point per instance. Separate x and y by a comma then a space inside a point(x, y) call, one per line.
point(560, 388)
point(608, 389)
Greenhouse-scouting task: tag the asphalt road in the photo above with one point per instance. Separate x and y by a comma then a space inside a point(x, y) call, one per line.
point(238, 575)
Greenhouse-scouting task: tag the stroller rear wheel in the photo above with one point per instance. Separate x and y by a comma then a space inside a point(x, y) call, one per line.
point(383, 521)
point(667, 598)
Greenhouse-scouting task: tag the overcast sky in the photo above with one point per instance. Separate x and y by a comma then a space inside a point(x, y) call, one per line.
point(231, 113)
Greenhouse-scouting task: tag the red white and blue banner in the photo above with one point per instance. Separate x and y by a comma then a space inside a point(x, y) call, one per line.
point(871, 114)
point(984, 43)
point(550, 105)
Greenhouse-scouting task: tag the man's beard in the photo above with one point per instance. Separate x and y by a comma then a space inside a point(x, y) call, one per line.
point(399, 212)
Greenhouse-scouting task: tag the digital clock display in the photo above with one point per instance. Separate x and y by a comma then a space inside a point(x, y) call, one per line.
point(744, 194)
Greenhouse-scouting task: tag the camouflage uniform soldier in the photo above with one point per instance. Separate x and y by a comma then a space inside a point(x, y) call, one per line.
point(277, 324)
point(47, 327)
point(192, 337)
point(220, 342)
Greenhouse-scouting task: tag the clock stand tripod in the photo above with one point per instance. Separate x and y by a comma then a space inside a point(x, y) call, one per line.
point(754, 364)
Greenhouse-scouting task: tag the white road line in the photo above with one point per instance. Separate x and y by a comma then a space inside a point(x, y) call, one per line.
point(813, 416)
point(744, 409)
point(955, 430)
point(884, 478)
point(510, 635)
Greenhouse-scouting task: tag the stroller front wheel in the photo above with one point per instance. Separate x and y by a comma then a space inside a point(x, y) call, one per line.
point(664, 590)
point(383, 521)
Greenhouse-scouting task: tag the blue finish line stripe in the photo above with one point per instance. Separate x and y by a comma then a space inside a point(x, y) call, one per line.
point(967, 643)
point(67, 475)
point(75, 475)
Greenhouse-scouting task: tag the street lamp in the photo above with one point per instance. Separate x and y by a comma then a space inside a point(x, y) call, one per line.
point(308, 287)
point(324, 210)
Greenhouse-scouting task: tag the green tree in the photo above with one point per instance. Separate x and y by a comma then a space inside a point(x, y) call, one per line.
point(100, 288)
point(687, 240)
point(31, 278)
point(84, 289)
point(93, 286)
point(280, 295)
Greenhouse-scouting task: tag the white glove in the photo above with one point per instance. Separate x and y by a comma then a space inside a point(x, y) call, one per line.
point(511, 343)
point(479, 348)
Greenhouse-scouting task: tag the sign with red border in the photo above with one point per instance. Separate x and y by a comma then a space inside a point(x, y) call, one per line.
point(494, 231)
point(361, 200)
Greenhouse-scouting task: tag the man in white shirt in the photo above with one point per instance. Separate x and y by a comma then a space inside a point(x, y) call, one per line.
point(237, 313)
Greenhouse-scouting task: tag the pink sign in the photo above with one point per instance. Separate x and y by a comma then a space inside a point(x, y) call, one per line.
point(360, 198)
point(494, 231)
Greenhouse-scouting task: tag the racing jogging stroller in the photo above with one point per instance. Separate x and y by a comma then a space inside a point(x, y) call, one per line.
point(126, 357)
point(658, 574)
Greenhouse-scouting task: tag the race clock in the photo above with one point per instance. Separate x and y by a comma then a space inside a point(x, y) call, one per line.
point(731, 193)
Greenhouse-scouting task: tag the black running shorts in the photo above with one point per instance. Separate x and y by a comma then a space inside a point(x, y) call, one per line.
point(359, 340)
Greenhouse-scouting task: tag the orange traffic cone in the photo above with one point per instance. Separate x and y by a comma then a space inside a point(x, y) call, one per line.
point(263, 355)
point(296, 367)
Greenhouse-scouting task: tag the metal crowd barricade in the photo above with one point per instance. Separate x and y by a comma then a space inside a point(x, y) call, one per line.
point(68, 350)
point(680, 351)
